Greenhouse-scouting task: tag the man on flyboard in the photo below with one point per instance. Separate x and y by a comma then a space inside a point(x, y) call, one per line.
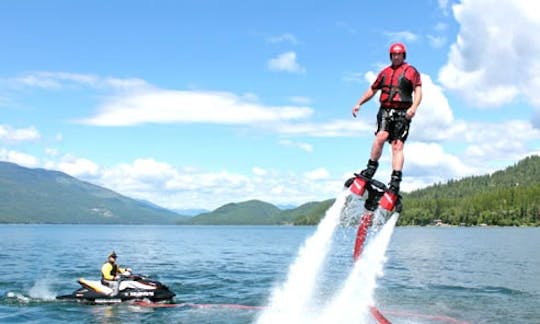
point(401, 94)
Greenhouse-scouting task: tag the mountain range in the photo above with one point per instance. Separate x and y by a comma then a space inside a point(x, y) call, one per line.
point(44, 196)
point(506, 197)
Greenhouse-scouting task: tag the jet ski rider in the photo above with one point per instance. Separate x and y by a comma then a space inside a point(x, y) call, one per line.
point(110, 273)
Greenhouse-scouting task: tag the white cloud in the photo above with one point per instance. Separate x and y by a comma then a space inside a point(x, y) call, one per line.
point(303, 146)
point(124, 84)
point(535, 120)
point(436, 41)
point(148, 177)
point(317, 174)
point(283, 38)
point(300, 100)
point(405, 35)
point(259, 171)
point(176, 187)
point(51, 151)
point(494, 59)
point(59, 80)
point(499, 141)
point(443, 4)
point(76, 167)
point(53, 80)
point(334, 128)
point(168, 106)
point(430, 159)
point(5, 101)
point(277, 190)
point(20, 158)
point(9, 134)
point(354, 77)
point(135, 102)
point(434, 120)
point(486, 147)
point(285, 62)
point(441, 27)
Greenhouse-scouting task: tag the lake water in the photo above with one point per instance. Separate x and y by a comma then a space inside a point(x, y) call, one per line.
point(432, 275)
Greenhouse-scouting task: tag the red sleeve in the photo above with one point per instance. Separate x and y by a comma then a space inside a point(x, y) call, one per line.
point(377, 84)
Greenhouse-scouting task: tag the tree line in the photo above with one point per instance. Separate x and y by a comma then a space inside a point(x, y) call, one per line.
point(510, 197)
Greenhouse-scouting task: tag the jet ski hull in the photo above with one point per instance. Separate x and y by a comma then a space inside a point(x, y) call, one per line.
point(89, 296)
point(94, 292)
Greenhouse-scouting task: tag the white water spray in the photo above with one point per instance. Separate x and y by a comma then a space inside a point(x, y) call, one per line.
point(290, 302)
point(42, 290)
point(351, 303)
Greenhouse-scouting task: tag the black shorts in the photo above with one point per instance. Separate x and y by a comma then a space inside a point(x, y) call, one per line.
point(395, 122)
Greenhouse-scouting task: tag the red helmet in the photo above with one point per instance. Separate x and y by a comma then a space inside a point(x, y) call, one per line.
point(397, 48)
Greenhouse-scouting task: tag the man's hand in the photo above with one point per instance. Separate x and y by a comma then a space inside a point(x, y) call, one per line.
point(355, 110)
point(410, 113)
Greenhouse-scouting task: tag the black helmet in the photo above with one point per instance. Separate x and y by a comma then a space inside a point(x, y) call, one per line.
point(112, 255)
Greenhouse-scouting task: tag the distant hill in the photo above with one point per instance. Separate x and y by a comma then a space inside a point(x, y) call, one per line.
point(256, 212)
point(252, 212)
point(524, 173)
point(306, 214)
point(44, 196)
point(506, 197)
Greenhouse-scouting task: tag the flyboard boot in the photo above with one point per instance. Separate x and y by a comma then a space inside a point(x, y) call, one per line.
point(391, 198)
point(358, 184)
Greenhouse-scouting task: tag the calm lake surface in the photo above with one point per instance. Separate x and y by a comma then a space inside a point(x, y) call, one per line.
point(432, 275)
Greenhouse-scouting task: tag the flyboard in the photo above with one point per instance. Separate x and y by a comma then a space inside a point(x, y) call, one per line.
point(379, 204)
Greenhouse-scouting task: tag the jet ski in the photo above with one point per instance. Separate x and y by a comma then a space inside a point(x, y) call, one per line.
point(131, 288)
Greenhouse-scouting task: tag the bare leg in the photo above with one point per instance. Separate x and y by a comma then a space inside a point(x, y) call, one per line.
point(378, 144)
point(376, 152)
point(397, 155)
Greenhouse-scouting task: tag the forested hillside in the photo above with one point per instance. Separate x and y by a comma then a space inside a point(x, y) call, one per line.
point(506, 197)
point(252, 212)
point(310, 213)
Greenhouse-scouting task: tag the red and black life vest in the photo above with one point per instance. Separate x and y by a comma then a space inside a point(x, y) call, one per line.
point(396, 86)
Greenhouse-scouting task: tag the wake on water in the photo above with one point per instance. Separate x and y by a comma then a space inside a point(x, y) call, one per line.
point(293, 301)
point(40, 291)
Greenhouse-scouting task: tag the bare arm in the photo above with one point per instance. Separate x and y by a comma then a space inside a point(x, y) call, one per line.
point(416, 102)
point(366, 97)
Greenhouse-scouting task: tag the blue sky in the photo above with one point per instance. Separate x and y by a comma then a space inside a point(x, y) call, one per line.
point(194, 104)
